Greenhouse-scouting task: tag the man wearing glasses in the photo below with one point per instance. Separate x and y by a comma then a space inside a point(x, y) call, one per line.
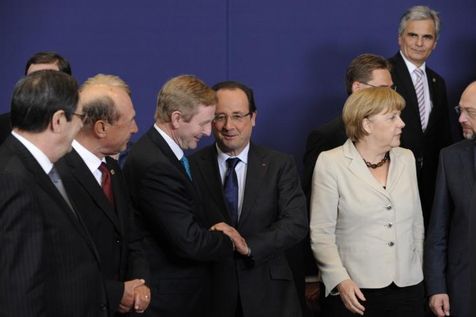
point(448, 247)
point(257, 191)
point(426, 114)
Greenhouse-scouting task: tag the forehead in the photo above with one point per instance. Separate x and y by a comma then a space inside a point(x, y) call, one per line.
point(36, 67)
point(232, 100)
point(468, 99)
point(420, 27)
point(382, 76)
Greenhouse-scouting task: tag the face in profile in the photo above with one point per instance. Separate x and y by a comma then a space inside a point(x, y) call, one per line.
point(385, 129)
point(233, 122)
point(418, 40)
point(467, 109)
point(188, 134)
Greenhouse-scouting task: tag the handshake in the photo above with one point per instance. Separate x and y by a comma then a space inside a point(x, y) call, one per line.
point(239, 242)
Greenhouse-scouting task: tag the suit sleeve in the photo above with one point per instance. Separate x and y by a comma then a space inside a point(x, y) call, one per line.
point(436, 244)
point(21, 250)
point(291, 225)
point(324, 214)
point(167, 206)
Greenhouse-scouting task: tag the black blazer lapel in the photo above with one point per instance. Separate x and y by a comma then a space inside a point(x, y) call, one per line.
point(255, 177)
point(86, 179)
point(210, 173)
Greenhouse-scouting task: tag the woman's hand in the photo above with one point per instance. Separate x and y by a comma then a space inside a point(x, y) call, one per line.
point(350, 294)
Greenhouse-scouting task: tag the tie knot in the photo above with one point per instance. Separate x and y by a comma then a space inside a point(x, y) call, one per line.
point(53, 174)
point(103, 168)
point(231, 162)
point(418, 72)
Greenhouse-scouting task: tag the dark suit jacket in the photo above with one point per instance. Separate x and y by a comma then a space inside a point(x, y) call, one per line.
point(447, 246)
point(424, 145)
point(273, 218)
point(5, 126)
point(112, 229)
point(179, 245)
point(50, 266)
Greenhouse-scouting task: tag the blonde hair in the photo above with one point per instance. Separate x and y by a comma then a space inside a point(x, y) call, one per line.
point(183, 93)
point(365, 103)
point(107, 80)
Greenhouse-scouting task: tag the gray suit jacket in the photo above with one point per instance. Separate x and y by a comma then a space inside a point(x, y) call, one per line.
point(447, 246)
point(361, 231)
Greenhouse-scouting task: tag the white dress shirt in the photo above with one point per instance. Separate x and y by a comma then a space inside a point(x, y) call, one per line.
point(172, 145)
point(39, 156)
point(91, 160)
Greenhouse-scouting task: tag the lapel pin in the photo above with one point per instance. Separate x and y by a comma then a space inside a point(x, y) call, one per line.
point(112, 172)
point(263, 164)
point(434, 79)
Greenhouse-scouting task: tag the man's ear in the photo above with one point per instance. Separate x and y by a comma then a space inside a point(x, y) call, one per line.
point(100, 128)
point(58, 121)
point(176, 118)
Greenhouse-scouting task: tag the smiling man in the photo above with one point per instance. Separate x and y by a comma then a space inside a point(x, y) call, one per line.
point(426, 114)
point(256, 190)
point(179, 245)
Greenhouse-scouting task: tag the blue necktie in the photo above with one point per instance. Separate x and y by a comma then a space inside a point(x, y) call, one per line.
point(186, 166)
point(230, 188)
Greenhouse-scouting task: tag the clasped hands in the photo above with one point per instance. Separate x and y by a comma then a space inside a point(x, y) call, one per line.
point(239, 242)
point(136, 297)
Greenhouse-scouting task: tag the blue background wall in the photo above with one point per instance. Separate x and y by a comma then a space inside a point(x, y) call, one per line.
point(293, 53)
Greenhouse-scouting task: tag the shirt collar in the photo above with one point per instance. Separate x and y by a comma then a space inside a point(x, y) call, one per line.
point(173, 146)
point(243, 156)
point(39, 156)
point(91, 160)
point(411, 67)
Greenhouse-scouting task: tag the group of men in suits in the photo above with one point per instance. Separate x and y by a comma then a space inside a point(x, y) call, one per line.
point(448, 213)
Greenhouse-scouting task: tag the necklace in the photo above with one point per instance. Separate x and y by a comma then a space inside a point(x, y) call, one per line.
point(377, 165)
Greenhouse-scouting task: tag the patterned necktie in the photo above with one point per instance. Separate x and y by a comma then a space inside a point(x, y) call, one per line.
point(230, 188)
point(186, 166)
point(106, 182)
point(420, 93)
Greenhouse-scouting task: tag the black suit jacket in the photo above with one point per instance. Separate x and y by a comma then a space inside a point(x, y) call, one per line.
point(112, 229)
point(447, 247)
point(5, 126)
point(178, 242)
point(273, 219)
point(50, 266)
point(425, 145)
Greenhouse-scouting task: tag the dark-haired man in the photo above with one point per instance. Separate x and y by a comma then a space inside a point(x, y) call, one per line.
point(50, 266)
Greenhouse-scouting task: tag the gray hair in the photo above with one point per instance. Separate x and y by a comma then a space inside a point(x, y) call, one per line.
point(418, 13)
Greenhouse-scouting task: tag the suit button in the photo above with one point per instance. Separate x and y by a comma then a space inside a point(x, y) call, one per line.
point(390, 244)
point(388, 207)
point(389, 225)
point(118, 241)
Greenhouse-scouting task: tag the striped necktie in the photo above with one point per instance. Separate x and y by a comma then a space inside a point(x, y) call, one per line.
point(420, 93)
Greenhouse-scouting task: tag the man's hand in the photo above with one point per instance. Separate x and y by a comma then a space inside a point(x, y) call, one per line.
point(141, 298)
point(440, 304)
point(312, 293)
point(350, 294)
point(240, 243)
point(128, 297)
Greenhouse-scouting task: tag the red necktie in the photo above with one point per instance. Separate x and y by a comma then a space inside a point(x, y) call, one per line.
point(106, 182)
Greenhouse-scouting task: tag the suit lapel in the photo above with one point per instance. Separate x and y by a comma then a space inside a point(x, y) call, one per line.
point(86, 179)
point(395, 171)
point(433, 86)
point(45, 183)
point(208, 166)
point(255, 177)
point(359, 169)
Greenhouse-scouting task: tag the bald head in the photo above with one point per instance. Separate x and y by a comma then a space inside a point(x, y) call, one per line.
point(467, 114)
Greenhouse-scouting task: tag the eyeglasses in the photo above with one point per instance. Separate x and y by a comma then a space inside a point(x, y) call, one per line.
point(470, 112)
point(235, 117)
point(393, 87)
point(81, 116)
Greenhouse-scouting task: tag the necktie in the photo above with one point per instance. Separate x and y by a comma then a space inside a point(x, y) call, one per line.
point(420, 93)
point(230, 188)
point(186, 166)
point(106, 182)
point(55, 178)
